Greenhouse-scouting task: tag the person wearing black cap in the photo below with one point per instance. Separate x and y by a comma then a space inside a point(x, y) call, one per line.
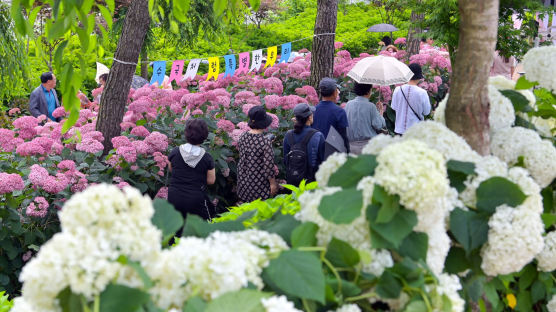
point(328, 114)
point(255, 172)
point(303, 147)
point(410, 102)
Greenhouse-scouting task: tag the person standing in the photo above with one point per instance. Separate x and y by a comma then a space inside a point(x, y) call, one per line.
point(410, 102)
point(328, 114)
point(255, 172)
point(364, 119)
point(192, 170)
point(303, 147)
point(44, 100)
point(504, 66)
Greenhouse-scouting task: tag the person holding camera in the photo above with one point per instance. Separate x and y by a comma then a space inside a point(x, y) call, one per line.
point(255, 172)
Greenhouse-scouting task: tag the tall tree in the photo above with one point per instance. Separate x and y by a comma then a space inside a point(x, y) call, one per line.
point(114, 97)
point(468, 106)
point(414, 38)
point(322, 54)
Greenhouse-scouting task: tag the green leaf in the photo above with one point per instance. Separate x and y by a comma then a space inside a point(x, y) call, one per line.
point(355, 168)
point(69, 302)
point(458, 172)
point(388, 286)
point(349, 289)
point(304, 235)
point(415, 246)
point(492, 295)
point(498, 191)
point(469, 228)
point(245, 300)
point(281, 224)
point(456, 261)
point(341, 254)
point(298, 274)
point(196, 226)
point(389, 204)
point(119, 298)
point(219, 6)
point(524, 303)
point(416, 306)
point(523, 83)
point(106, 15)
point(391, 234)
point(180, 10)
point(136, 265)
point(548, 219)
point(341, 207)
point(195, 304)
point(538, 291)
point(255, 4)
point(166, 218)
point(519, 101)
point(474, 287)
point(527, 276)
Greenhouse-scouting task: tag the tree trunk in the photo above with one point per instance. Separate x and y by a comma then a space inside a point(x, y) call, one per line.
point(144, 64)
point(413, 40)
point(322, 54)
point(468, 106)
point(114, 96)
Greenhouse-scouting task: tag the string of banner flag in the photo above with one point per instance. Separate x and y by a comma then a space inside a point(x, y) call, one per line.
point(231, 67)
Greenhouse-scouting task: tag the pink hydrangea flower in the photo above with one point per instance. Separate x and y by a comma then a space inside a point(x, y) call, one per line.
point(38, 175)
point(37, 208)
point(120, 141)
point(140, 132)
point(80, 186)
point(157, 141)
point(122, 185)
point(272, 101)
point(401, 40)
point(162, 193)
point(243, 126)
point(128, 153)
point(10, 182)
point(275, 121)
point(90, 146)
point(338, 45)
point(8, 141)
point(56, 184)
point(225, 125)
point(66, 165)
point(14, 111)
point(27, 256)
point(29, 149)
point(197, 112)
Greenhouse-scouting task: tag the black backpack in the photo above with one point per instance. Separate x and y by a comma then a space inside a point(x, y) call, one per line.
point(298, 165)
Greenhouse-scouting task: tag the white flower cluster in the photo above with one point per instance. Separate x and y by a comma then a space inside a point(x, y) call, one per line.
point(448, 285)
point(355, 233)
point(98, 226)
point(551, 306)
point(328, 167)
point(378, 143)
point(502, 113)
point(348, 308)
point(442, 139)
point(440, 111)
point(547, 258)
point(418, 175)
point(278, 304)
point(209, 267)
point(539, 66)
point(539, 155)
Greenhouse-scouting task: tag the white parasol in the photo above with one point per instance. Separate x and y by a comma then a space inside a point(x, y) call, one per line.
point(380, 70)
point(101, 69)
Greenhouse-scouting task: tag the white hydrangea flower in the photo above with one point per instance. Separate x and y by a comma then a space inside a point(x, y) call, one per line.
point(539, 155)
point(442, 139)
point(355, 233)
point(21, 305)
point(98, 225)
point(514, 238)
point(539, 66)
point(418, 175)
point(379, 142)
point(551, 306)
point(440, 111)
point(348, 308)
point(278, 304)
point(329, 166)
point(449, 285)
point(502, 113)
point(209, 267)
point(545, 127)
point(501, 83)
point(547, 257)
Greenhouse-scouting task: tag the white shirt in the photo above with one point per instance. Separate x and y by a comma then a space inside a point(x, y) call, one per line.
point(419, 100)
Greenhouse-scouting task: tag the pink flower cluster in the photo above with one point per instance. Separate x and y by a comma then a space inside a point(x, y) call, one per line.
point(225, 125)
point(10, 182)
point(400, 40)
point(38, 208)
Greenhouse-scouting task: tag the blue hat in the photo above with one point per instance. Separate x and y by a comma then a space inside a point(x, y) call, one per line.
point(327, 86)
